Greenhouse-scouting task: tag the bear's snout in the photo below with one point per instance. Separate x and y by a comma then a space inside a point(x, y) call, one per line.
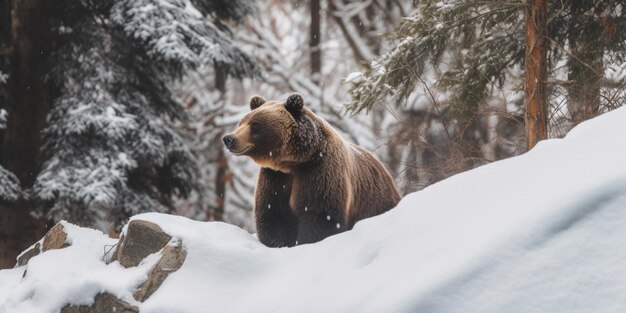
point(229, 141)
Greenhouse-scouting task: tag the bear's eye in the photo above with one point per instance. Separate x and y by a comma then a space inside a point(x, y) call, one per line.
point(255, 128)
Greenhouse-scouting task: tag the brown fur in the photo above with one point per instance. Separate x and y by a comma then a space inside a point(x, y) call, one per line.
point(311, 180)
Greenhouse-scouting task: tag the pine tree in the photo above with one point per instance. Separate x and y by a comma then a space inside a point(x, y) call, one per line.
point(591, 37)
point(110, 146)
point(458, 64)
point(476, 48)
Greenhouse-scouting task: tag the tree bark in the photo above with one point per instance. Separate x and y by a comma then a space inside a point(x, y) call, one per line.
point(5, 28)
point(5, 40)
point(30, 94)
point(217, 213)
point(221, 180)
point(314, 42)
point(220, 79)
point(29, 98)
point(536, 72)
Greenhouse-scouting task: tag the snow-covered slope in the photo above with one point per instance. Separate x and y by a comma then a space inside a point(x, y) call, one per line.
point(542, 232)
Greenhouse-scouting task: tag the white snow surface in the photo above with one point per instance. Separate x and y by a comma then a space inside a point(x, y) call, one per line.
point(542, 232)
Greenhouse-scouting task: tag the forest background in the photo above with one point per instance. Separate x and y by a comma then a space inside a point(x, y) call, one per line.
point(109, 108)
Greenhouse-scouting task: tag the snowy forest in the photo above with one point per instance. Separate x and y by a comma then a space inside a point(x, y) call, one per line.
point(111, 108)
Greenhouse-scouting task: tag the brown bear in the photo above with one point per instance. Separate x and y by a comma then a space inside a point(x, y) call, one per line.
point(312, 183)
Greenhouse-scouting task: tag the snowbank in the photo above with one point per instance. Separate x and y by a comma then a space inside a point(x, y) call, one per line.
point(543, 232)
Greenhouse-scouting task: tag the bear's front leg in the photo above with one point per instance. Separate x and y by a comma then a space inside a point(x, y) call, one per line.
point(315, 225)
point(276, 224)
point(319, 199)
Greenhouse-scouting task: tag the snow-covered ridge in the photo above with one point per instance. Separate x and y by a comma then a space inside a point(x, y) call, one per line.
point(542, 232)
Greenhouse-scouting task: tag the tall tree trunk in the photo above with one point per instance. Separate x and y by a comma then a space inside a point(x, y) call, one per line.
point(221, 180)
point(29, 93)
point(5, 28)
point(536, 72)
point(314, 42)
point(586, 68)
point(362, 53)
point(5, 41)
point(28, 105)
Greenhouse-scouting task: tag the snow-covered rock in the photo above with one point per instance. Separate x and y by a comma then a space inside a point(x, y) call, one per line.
point(542, 232)
point(172, 258)
point(56, 238)
point(139, 239)
point(102, 303)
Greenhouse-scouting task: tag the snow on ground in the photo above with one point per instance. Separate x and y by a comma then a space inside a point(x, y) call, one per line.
point(542, 232)
point(74, 274)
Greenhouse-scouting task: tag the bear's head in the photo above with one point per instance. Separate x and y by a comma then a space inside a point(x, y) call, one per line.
point(277, 135)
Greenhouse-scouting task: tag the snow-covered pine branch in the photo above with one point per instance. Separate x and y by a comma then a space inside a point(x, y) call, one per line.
point(440, 82)
point(9, 186)
point(111, 148)
point(175, 31)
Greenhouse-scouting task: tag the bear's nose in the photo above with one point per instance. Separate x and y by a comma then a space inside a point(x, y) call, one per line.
point(229, 140)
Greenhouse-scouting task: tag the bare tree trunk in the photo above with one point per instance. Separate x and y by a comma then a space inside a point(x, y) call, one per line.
point(28, 105)
point(5, 41)
point(221, 179)
point(29, 93)
point(362, 53)
point(5, 28)
point(222, 164)
point(220, 80)
point(536, 72)
point(314, 42)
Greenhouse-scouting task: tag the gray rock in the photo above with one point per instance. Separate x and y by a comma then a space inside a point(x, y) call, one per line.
point(142, 238)
point(172, 258)
point(103, 303)
point(55, 238)
point(26, 256)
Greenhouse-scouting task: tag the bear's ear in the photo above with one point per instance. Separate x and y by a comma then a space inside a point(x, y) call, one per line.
point(294, 104)
point(256, 102)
